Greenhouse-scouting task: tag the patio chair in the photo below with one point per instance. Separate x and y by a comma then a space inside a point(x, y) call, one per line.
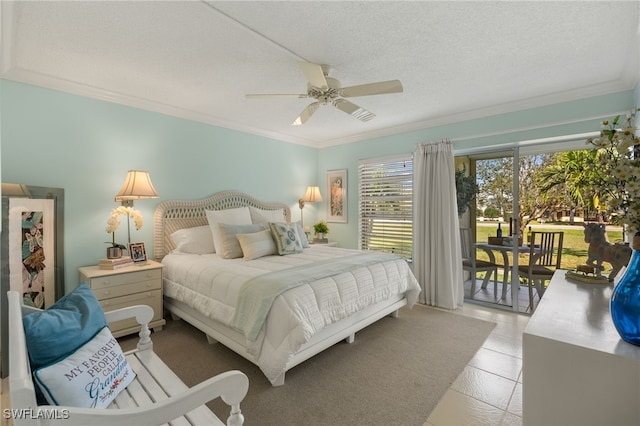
point(473, 265)
point(545, 255)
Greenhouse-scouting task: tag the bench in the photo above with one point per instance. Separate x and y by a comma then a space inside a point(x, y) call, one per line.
point(157, 395)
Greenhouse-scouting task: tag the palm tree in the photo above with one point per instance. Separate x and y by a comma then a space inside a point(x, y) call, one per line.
point(571, 176)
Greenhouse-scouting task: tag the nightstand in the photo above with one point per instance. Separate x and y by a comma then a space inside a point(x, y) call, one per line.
point(329, 244)
point(120, 288)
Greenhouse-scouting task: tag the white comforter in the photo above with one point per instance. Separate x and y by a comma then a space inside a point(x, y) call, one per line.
point(210, 285)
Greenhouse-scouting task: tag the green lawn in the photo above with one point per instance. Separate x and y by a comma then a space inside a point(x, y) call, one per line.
point(574, 251)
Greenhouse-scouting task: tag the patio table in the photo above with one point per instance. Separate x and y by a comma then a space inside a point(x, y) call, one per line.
point(505, 250)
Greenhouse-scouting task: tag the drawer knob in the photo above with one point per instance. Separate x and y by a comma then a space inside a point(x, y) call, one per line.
point(106, 293)
point(106, 281)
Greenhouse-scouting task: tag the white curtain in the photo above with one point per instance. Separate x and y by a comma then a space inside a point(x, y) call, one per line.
point(437, 257)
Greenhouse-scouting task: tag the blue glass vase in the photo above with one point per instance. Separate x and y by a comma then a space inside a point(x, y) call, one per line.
point(625, 299)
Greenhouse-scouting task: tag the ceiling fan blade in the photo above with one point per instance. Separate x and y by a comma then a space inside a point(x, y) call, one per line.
point(306, 114)
point(314, 74)
point(353, 109)
point(380, 88)
point(276, 95)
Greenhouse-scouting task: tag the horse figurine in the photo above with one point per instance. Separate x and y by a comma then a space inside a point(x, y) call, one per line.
point(601, 250)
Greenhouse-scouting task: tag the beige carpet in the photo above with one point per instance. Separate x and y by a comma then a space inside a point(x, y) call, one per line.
point(394, 373)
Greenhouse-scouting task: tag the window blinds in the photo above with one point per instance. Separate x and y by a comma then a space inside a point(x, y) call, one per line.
point(386, 205)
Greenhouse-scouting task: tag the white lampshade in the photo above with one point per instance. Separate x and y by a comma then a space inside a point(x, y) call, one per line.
point(312, 195)
point(136, 185)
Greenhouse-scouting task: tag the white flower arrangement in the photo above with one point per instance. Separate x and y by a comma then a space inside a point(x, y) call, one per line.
point(114, 220)
point(619, 181)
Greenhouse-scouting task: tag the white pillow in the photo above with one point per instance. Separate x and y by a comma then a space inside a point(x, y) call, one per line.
point(196, 240)
point(257, 244)
point(239, 216)
point(90, 377)
point(230, 248)
point(266, 216)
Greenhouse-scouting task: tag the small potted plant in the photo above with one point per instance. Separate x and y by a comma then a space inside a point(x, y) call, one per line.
point(320, 229)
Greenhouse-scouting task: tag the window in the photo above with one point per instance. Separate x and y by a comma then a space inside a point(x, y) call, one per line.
point(386, 205)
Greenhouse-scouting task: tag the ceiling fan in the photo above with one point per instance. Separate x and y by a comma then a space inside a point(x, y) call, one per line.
point(327, 91)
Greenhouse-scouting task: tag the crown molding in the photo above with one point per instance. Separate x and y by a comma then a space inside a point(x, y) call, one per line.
point(533, 102)
point(54, 83)
point(628, 80)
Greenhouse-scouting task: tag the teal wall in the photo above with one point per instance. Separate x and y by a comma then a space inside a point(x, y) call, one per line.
point(86, 146)
point(507, 129)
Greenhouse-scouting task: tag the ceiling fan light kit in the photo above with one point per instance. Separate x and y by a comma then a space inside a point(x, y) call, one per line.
point(327, 91)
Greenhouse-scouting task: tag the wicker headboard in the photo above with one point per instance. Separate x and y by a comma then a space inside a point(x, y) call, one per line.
point(172, 215)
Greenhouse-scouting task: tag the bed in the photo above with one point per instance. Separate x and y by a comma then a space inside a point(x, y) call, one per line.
point(275, 310)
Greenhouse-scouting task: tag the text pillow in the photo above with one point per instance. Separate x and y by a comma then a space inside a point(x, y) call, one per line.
point(62, 328)
point(286, 237)
point(239, 216)
point(90, 377)
point(196, 240)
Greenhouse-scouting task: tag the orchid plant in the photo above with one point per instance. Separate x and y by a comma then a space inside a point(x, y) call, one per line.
point(619, 181)
point(114, 222)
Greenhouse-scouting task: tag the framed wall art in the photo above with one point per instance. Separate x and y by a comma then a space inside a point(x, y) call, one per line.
point(337, 190)
point(32, 249)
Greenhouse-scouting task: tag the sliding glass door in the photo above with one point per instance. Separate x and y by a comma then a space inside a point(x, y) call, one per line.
point(494, 221)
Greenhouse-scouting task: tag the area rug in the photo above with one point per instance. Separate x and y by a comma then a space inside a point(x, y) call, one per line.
point(394, 373)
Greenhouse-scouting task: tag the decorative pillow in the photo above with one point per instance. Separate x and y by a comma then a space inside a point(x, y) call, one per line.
point(257, 244)
point(302, 235)
point(286, 237)
point(239, 216)
point(266, 216)
point(90, 377)
point(196, 240)
point(62, 328)
point(230, 248)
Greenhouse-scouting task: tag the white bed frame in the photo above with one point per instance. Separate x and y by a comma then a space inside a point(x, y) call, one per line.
point(173, 215)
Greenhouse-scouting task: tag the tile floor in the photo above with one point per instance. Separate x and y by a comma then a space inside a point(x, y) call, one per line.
point(489, 390)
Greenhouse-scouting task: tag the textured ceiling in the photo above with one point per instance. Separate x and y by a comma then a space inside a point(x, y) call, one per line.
point(197, 60)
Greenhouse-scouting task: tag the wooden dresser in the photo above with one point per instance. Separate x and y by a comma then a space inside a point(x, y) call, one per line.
point(132, 285)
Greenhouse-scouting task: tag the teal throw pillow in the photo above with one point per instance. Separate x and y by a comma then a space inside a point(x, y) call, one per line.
point(63, 327)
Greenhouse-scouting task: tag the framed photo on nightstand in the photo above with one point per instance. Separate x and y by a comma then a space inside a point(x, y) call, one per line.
point(138, 252)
